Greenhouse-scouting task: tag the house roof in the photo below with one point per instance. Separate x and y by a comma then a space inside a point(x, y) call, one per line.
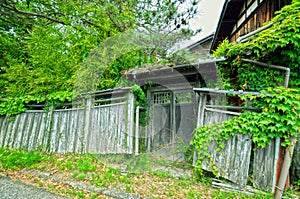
point(200, 42)
point(228, 18)
point(178, 74)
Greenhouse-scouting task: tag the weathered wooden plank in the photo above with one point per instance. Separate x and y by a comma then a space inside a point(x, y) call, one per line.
point(1, 122)
point(28, 128)
point(62, 132)
point(122, 147)
point(72, 131)
point(34, 131)
point(87, 124)
point(80, 132)
point(8, 134)
point(48, 129)
point(295, 167)
point(3, 127)
point(116, 147)
point(100, 129)
point(41, 133)
point(14, 132)
point(18, 138)
point(121, 130)
point(105, 134)
point(263, 167)
point(97, 126)
point(113, 127)
point(55, 132)
point(92, 139)
point(130, 117)
point(233, 161)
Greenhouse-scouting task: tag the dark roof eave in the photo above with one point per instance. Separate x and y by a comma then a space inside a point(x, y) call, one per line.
point(226, 21)
point(219, 24)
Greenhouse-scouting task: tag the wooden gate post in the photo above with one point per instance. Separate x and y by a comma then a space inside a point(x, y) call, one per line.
point(130, 121)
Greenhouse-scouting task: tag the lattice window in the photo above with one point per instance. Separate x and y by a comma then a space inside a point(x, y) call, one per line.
point(161, 98)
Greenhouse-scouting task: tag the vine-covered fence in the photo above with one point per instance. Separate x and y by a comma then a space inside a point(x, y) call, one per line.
point(237, 161)
point(102, 124)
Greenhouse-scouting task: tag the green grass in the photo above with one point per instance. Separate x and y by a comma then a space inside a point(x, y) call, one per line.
point(18, 159)
point(139, 178)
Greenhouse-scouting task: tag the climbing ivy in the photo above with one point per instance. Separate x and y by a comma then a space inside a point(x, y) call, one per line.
point(15, 105)
point(277, 45)
point(280, 107)
point(279, 117)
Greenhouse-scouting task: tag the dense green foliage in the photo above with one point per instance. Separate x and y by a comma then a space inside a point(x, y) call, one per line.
point(44, 44)
point(280, 107)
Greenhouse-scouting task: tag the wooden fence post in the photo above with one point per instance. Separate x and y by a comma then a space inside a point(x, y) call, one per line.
point(137, 119)
point(87, 124)
point(200, 118)
point(130, 121)
point(149, 126)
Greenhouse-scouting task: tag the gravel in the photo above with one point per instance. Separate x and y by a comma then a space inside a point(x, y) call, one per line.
point(14, 189)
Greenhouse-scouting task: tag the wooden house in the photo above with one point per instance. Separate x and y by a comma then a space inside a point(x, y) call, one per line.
point(240, 17)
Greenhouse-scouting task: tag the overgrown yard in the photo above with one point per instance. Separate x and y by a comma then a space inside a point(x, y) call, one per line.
point(113, 176)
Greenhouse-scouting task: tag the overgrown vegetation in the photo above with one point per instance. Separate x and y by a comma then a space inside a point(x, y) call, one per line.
point(278, 45)
point(96, 170)
point(45, 46)
point(279, 118)
point(280, 107)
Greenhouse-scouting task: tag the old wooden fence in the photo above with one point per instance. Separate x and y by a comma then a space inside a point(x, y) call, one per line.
point(103, 125)
point(237, 161)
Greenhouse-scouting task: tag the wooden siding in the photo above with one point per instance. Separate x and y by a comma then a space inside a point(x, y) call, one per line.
point(254, 14)
point(104, 129)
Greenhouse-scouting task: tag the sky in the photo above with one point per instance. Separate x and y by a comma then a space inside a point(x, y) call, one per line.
point(207, 19)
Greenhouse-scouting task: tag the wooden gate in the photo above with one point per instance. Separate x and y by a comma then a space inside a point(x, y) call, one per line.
point(172, 120)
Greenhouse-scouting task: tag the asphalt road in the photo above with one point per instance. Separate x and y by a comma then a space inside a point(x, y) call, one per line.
point(12, 189)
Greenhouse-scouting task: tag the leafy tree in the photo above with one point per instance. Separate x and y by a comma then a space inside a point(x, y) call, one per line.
point(44, 43)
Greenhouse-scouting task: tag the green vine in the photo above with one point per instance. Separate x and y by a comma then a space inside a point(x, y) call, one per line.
point(141, 101)
point(140, 96)
point(280, 107)
point(277, 45)
point(15, 105)
point(279, 117)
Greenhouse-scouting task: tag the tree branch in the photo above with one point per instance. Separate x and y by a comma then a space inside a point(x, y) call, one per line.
point(33, 14)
